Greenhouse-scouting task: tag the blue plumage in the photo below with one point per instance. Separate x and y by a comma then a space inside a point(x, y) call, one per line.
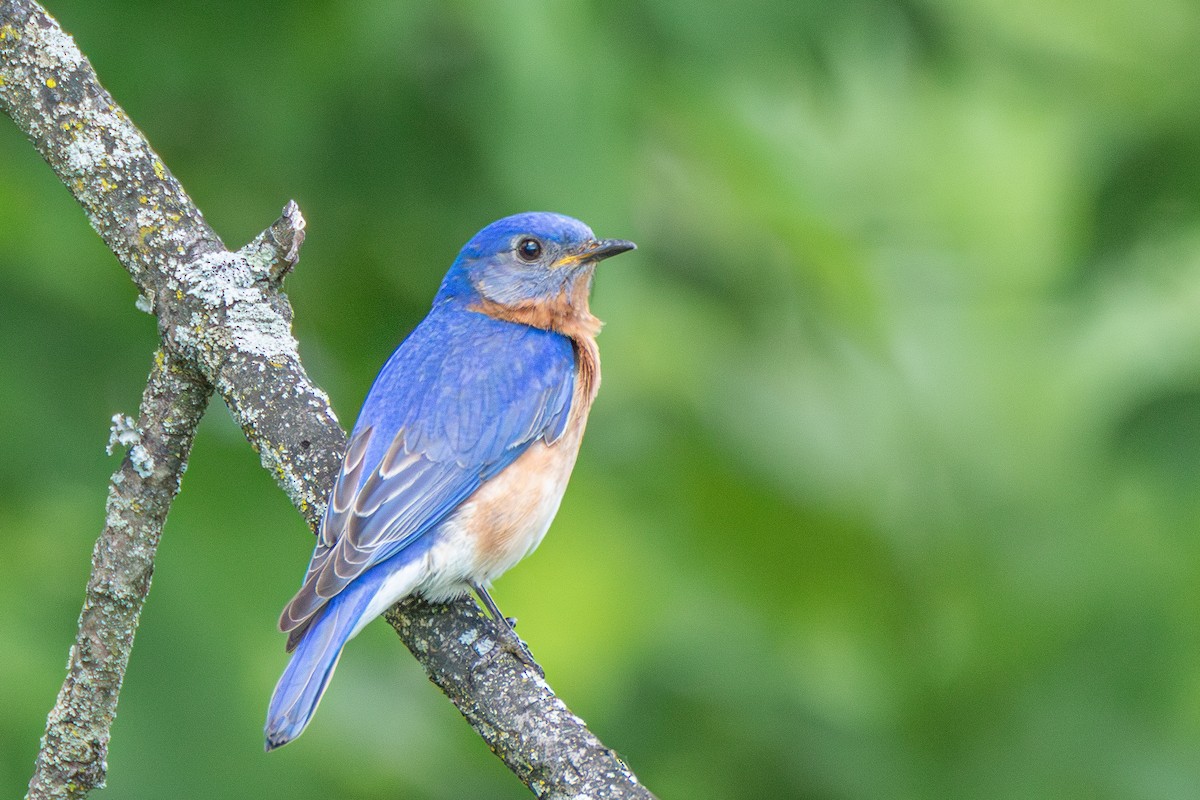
point(447, 385)
point(307, 675)
point(496, 381)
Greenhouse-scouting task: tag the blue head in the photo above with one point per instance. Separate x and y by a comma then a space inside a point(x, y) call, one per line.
point(529, 259)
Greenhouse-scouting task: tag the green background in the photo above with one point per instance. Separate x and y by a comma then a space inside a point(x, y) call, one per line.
point(891, 490)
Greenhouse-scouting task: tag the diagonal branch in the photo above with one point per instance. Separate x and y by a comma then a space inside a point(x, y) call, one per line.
point(75, 746)
point(218, 309)
point(222, 314)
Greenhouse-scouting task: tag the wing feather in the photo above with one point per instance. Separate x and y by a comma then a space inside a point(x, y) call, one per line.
point(457, 402)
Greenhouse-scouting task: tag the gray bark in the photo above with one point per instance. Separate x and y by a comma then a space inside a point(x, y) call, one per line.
point(75, 745)
point(226, 326)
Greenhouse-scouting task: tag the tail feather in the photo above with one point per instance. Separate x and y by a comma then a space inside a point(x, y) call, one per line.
point(316, 656)
point(307, 675)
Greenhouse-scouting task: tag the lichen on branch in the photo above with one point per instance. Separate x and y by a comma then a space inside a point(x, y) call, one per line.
point(225, 325)
point(74, 749)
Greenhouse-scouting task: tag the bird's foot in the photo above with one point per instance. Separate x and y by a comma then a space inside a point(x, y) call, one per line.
point(508, 641)
point(511, 643)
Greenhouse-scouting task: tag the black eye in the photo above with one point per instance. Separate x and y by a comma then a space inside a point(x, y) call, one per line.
point(529, 249)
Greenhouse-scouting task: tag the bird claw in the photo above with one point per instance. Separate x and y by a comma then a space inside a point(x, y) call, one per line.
point(508, 642)
point(511, 643)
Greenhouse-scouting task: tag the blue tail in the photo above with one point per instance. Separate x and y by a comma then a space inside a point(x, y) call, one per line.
point(307, 675)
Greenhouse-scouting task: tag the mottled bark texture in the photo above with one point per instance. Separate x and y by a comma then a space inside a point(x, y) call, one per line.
point(72, 756)
point(510, 704)
point(222, 311)
point(226, 325)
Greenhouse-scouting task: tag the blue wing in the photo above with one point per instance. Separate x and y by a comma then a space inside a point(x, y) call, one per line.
point(458, 401)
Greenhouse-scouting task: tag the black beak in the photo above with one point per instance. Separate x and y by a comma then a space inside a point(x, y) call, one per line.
point(591, 252)
point(605, 248)
point(609, 247)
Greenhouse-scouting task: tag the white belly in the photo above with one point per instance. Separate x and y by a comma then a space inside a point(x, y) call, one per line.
point(503, 521)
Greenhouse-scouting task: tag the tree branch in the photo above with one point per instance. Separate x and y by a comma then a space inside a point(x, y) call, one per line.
point(71, 760)
point(223, 315)
point(510, 705)
point(218, 309)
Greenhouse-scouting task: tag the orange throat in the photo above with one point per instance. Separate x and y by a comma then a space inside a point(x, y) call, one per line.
point(567, 314)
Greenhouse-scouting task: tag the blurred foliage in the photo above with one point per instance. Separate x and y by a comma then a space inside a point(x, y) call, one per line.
point(891, 489)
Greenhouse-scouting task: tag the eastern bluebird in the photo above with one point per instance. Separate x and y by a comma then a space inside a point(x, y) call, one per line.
point(462, 450)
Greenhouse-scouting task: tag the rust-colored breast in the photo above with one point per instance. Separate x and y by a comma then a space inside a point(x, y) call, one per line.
point(507, 517)
point(511, 513)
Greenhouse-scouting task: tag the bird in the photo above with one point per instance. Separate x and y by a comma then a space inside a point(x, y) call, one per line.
point(460, 455)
